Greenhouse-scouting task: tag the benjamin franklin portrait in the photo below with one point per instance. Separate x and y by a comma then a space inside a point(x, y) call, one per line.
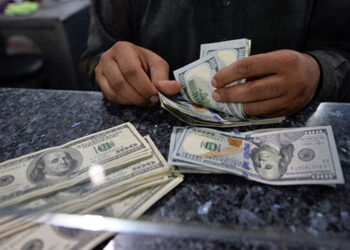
point(54, 166)
point(271, 163)
point(273, 154)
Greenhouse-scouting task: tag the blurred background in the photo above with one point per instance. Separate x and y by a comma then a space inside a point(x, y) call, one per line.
point(41, 43)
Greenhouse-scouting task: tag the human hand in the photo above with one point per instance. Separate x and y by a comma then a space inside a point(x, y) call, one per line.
point(131, 75)
point(278, 83)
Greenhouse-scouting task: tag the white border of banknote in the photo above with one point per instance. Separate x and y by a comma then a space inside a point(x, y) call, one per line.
point(328, 172)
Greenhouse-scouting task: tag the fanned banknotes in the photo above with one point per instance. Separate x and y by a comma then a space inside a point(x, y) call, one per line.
point(198, 107)
point(200, 116)
point(58, 238)
point(115, 172)
point(57, 168)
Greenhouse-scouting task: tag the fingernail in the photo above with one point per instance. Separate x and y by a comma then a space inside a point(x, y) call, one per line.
point(214, 83)
point(216, 96)
point(154, 99)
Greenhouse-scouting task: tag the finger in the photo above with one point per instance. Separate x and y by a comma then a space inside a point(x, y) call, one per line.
point(168, 87)
point(267, 87)
point(123, 88)
point(133, 72)
point(108, 92)
point(159, 72)
point(115, 78)
point(158, 68)
point(265, 108)
point(250, 67)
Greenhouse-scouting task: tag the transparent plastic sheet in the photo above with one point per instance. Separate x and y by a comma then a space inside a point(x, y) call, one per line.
point(146, 230)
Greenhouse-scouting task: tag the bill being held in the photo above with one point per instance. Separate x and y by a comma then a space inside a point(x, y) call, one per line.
point(198, 107)
point(195, 79)
point(200, 116)
point(227, 51)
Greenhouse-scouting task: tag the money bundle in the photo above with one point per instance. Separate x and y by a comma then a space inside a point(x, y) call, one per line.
point(277, 157)
point(115, 172)
point(198, 108)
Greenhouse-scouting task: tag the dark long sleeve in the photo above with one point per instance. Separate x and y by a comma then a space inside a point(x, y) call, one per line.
point(109, 23)
point(175, 29)
point(328, 41)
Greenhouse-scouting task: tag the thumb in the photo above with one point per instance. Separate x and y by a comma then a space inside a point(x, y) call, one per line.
point(168, 87)
point(159, 74)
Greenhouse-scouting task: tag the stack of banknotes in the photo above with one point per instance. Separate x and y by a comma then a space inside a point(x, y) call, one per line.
point(290, 156)
point(115, 172)
point(197, 107)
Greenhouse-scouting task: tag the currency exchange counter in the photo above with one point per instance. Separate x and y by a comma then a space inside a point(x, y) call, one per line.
point(205, 211)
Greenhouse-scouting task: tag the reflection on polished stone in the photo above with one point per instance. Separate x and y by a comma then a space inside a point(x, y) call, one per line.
point(338, 116)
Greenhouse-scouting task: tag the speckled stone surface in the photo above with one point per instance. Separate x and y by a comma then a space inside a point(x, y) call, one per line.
point(31, 120)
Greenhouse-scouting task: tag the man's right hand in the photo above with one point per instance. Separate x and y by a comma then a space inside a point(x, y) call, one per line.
point(131, 75)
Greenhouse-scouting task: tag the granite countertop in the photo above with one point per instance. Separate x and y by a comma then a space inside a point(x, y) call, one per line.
point(31, 120)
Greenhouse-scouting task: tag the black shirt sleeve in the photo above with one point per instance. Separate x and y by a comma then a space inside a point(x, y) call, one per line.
point(155, 24)
point(328, 41)
point(109, 23)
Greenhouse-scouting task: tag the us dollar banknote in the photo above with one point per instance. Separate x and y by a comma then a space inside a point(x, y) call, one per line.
point(50, 237)
point(198, 107)
point(57, 168)
point(291, 156)
point(195, 79)
point(210, 148)
point(195, 115)
point(100, 190)
point(181, 166)
point(133, 206)
point(24, 222)
point(228, 52)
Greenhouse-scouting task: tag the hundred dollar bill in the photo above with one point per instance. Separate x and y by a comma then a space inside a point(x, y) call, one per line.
point(131, 207)
point(195, 79)
point(94, 192)
point(200, 116)
point(228, 51)
point(184, 167)
point(58, 238)
point(199, 108)
point(296, 156)
point(284, 157)
point(208, 148)
point(57, 168)
point(28, 221)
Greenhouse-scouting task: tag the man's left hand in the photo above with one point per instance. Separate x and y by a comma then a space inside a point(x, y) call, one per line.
point(277, 83)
